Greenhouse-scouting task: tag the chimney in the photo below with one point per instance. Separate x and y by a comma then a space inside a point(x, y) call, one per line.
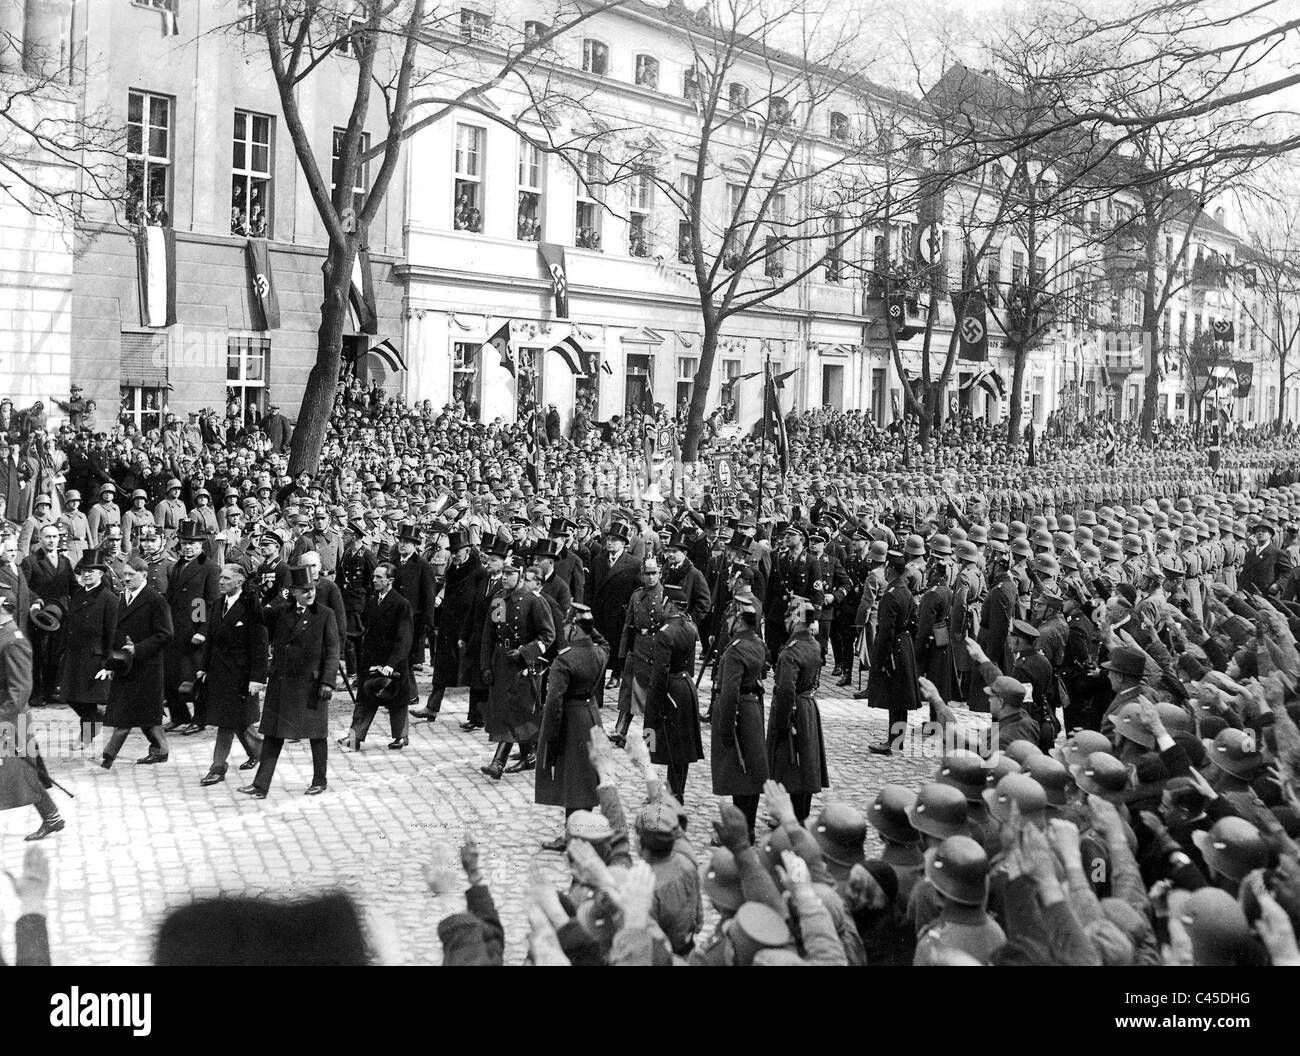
point(1218, 215)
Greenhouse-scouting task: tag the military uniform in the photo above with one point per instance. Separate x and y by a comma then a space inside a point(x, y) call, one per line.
point(796, 753)
point(645, 615)
point(737, 750)
point(21, 781)
point(564, 775)
point(672, 707)
point(518, 631)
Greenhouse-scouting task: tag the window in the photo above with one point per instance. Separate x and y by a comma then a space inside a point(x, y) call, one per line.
point(735, 241)
point(474, 25)
point(995, 274)
point(1039, 399)
point(595, 57)
point(464, 374)
point(1017, 268)
point(1180, 401)
point(528, 224)
point(778, 111)
point(737, 96)
point(839, 126)
point(690, 83)
point(685, 248)
point(534, 31)
point(591, 192)
point(647, 72)
point(246, 375)
point(246, 17)
point(774, 247)
point(686, 368)
point(250, 176)
point(142, 405)
point(352, 37)
point(834, 248)
point(148, 158)
point(730, 390)
point(638, 383)
point(1182, 329)
point(468, 193)
point(360, 179)
point(640, 207)
point(144, 388)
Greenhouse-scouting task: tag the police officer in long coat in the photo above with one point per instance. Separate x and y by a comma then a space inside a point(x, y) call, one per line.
point(233, 670)
point(796, 753)
point(612, 582)
point(893, 658)
point(21, 781)
point(996, 614)
point(738, 748)
point(383, 656)
point(565, 777)
point(300, 681)
point(672, 718)
point(645, 614)
point(933, 641)
point(356, 571)
point(135, 698)
point(518, 631)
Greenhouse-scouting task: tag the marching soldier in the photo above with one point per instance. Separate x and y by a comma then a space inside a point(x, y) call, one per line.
point(565, 777)
point(892, 683)
point(796, 754)
point(996, 615)
point(672, 718)
point(856, 567)
point(933, 640)
point(791, 577)
point(737, 750)
point(828, 587)
point(518, 631)
point(300, 682)
point(645, 615)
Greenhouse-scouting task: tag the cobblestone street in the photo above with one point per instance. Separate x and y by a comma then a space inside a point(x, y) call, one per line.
point(143, 838)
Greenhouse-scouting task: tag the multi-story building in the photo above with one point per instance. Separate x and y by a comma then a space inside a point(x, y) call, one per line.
point(207, 161)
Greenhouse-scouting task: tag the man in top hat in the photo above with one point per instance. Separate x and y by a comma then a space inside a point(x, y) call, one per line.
point(103, 514)
point(192, 591)
point(613, 580)
point(679, 572)
point(418, 585)
point(134, 667)
point(453, 602)
point(233, 671)
point(892, 683)
point(300, 682)
point(49, 575)
point(565, 776)
point(569, 566)
point(796, 756)
point(384, 657)
point(78, 528)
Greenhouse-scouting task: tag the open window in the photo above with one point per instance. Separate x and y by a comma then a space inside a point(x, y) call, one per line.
point(595, 57)
point(647, 72)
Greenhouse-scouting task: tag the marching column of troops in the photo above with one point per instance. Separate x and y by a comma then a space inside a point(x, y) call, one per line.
point(174, 621)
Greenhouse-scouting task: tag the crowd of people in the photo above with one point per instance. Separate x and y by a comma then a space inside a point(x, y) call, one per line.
point(1103, 641)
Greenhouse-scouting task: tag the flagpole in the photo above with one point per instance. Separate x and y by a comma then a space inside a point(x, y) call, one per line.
point(762, 450)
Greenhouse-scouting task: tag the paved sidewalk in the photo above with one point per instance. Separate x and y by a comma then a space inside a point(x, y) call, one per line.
point(143, 838)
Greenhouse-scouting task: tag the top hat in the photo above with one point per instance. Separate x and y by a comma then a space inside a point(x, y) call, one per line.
point(545, 548)
point(381, 687)
point(410, 533)
point(457, 540)
point(192, 531)
point(499, 547)
point(300, 577)
point(92, 560)
point(618, 530)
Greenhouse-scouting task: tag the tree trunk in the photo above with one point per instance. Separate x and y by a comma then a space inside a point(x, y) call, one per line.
point(1016, 411)
point(700, 394)
point(1281, 389)
point(322, 383)
point(1150, 397)
point(930, 403)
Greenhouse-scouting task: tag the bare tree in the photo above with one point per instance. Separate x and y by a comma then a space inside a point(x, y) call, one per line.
point(1269, 291)
point(42, 129)
point(410, 59)
point(1204, 364)
point(781, 179)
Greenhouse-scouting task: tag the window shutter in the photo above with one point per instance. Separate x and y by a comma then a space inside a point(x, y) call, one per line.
point(144, 359)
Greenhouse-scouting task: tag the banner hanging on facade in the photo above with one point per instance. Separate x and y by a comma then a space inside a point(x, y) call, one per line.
point(553, 258)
